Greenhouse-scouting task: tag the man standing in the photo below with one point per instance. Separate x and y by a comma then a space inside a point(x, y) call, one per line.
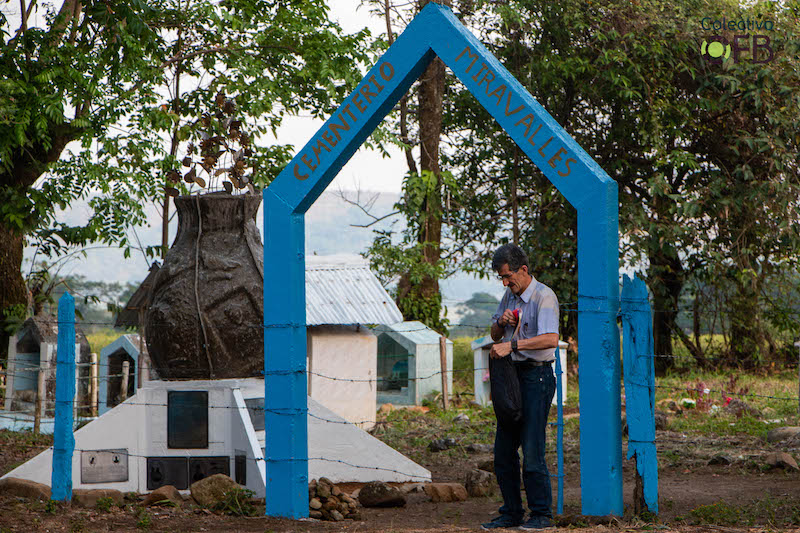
point(524, 328)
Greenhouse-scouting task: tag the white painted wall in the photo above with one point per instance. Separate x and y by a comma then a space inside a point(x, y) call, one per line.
point(346, 353)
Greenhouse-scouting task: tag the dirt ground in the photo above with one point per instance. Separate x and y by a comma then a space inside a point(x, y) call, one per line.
point(693, 496)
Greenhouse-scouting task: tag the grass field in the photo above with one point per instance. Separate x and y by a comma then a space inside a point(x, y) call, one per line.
point(102, 338)
point(772, 392)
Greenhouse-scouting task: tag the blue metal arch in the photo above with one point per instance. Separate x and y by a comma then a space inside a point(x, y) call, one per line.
point(437, 32)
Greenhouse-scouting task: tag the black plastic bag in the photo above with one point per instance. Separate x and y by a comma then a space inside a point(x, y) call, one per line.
point(506, 393)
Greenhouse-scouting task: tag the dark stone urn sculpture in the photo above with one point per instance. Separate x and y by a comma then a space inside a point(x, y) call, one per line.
point(206, 307)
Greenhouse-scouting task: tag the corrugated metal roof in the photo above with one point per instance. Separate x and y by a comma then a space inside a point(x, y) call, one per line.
point(344, 291)
point(413, 331)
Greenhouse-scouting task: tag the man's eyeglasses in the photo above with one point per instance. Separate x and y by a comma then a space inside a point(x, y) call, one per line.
point(504, 277)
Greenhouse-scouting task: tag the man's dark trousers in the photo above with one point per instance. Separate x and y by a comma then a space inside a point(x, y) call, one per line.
point(537, 384)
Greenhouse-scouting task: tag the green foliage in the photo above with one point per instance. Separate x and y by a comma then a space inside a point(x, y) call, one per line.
point(50, 507)
point(774, 512)
point(100, 80)
point(144, 520)
point(237, 502)
point(704, 156)
point(105, 504)
point(719, 513)
point(463, 364)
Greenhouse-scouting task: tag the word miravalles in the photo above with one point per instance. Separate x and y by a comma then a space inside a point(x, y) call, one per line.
point(484, 76)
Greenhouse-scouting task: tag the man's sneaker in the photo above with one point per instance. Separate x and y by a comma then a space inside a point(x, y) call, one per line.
point(502, 521)
point(537, 523)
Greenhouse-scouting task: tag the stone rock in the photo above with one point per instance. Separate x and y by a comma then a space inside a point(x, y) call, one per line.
point(783, 433)
point(487, 465)
point(480, 448)
point(721, 460)
point(24, 489)
point(446, 492)
point(781, 460)
point(315, 503)
point(662, 420)
point(346, 498)
point(479, 483)
point(324, 490)
point(337, 516)
point(315, 514)
point(792, 442)
point(670, 405)
point(461, 419)
point(386, 408)
point(379, 494)
point(167, 492)
point(439, 445)
point(210, 491)
point(739, 408)
point(330, 505)
point(412, 488)
point(89, 497)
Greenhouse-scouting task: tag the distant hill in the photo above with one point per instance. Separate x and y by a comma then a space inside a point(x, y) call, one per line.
point(331, 228)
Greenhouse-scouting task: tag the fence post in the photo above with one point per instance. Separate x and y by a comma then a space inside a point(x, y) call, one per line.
point(63, 439)
point(639, 372)
point(94, 384)
point(443, 362)
point(41, 393)
point(123, 387)
point(797, 344)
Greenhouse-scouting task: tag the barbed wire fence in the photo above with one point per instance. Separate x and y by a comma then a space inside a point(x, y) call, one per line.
point(24, 371)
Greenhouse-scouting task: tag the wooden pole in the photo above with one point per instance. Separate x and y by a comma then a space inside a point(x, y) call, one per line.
point(443, 361)
point(41, 392)
point(94, 384)
point(123, 393)
point(140, 367)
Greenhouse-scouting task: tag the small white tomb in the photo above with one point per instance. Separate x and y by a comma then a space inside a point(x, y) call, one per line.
point(177, 432)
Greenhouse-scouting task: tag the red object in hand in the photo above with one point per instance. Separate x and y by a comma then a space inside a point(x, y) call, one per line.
point(516, 313)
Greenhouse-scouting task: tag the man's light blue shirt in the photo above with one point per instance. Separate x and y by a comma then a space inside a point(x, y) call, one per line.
point(539, 315)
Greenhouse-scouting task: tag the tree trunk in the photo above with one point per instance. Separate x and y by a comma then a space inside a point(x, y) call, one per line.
point(410, 295)
point(746, 332)
point(12, 290)
point(665, 278)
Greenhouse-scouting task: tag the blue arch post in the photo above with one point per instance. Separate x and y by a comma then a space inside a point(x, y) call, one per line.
point(640, 386)
point(63, 439)
point(436, 31)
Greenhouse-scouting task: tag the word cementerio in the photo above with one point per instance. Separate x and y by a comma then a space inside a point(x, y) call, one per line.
point(707, 23)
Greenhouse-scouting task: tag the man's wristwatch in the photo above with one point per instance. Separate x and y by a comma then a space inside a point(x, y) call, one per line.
point(514, 345)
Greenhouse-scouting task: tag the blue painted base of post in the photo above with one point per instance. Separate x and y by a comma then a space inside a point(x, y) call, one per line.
point(63, 438)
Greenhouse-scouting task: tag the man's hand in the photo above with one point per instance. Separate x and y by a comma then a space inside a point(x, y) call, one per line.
point(500, 349)
point(508, 318)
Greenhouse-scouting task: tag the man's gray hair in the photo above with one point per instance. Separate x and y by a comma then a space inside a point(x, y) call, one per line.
point(511, 255)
